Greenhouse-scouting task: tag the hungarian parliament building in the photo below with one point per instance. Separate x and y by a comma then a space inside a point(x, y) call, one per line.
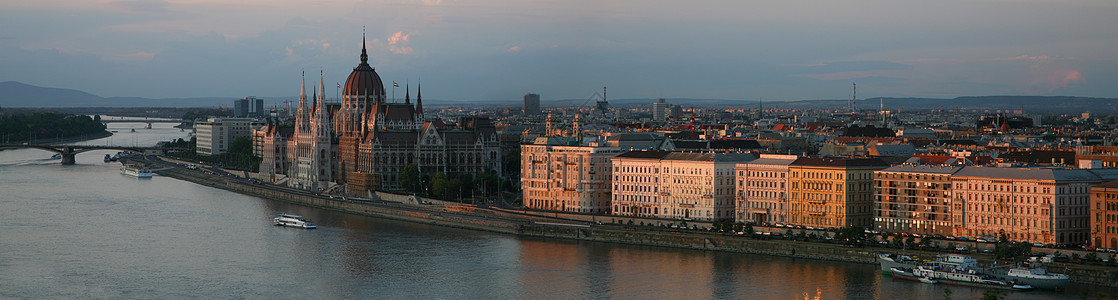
point(364, 143)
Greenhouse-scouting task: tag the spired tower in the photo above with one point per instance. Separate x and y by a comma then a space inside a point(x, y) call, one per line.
point(363, 91)
point(311, 142)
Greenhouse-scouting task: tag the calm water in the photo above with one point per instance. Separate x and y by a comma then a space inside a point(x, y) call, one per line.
point(87, 231)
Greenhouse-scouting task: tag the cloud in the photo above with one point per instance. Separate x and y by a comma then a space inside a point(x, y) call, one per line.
point(142, 6)
point(396, 38)
point(514, 49)
point(432, 2)
point(1072, 77)
point(397, 43)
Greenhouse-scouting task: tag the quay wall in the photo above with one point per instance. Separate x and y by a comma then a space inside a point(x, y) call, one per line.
point(540, 225)
point(784, 248)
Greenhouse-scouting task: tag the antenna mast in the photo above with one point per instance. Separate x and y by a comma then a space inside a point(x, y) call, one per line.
point(853, 96)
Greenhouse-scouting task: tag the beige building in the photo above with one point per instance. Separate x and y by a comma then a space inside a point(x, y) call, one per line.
point(573, 175)
point(675, 185)
point(216, 134)
point(832, 192)
point(1104, 215)
point(636, 184)
point(762, 189)
point(914, 198)
point(1035, 205)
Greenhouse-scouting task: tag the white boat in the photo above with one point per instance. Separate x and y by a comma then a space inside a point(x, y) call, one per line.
point(293, 221)
point(133, 170)
point(928, 280)
point(1037, 277)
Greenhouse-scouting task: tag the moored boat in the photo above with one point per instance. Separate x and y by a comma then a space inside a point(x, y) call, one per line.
point(293, 221)
point(1037, 277)
point(890, 261)
point(133, 170)
point(966, 277)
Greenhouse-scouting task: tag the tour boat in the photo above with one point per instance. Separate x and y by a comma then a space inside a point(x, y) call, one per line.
point(133, 170)
point(108, 158)
point(56, 156)
point(293, 221)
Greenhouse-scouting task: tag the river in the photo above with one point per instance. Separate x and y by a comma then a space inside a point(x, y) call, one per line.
point(86, 231)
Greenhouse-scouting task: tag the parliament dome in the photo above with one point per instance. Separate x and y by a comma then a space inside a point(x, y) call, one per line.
point(364, 81)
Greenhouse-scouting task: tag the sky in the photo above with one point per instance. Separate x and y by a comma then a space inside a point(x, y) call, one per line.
point(567, 49)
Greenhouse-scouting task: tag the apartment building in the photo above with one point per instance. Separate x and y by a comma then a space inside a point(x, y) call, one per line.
point(914, 198)
point(573, 175)
point(1104, 215)
point(832, 192)
point(675, 185)
point(1050, 206)
point(761, 189)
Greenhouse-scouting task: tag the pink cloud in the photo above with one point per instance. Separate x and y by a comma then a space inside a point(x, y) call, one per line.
point(1072, 76)
point(514, 49)
point(396, 43)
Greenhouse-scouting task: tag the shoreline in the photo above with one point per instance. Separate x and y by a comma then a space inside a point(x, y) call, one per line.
point(468, 216)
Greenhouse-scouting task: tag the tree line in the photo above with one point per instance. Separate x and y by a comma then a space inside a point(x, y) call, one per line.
point(28, 126)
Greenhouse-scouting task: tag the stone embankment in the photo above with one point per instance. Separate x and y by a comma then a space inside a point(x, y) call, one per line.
point(555, 225)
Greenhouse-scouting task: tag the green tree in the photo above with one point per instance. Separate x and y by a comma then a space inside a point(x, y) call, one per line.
point(438, 186)
point(241, 146)
point(410, 180)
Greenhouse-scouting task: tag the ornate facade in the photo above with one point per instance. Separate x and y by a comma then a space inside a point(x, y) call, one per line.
point(371, 140)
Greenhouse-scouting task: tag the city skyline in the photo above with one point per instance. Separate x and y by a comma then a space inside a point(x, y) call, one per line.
point(568, 50)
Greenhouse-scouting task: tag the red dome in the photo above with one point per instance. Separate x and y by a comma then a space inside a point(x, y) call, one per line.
point(364, 80)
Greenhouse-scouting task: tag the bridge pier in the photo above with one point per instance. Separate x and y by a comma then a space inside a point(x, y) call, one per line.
point(68, 156)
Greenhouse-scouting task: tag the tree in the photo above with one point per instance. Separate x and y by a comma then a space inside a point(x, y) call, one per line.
point(438, 186)
point(851, 235)
point(241, 146)
point(409, 179)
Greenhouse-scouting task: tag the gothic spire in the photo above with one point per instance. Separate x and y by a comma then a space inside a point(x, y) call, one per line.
point(407, 94)
point(303, 91)
point(419, 99)
point(364, 55)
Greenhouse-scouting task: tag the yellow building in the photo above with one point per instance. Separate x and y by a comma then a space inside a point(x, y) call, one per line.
point(832, 192)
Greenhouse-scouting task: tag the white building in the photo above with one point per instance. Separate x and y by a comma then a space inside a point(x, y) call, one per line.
point(675, 185)
point(762, 189)
point(216, 134)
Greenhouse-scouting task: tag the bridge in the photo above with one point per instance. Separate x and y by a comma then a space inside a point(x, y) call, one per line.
point(141, 121)
point(68, 151)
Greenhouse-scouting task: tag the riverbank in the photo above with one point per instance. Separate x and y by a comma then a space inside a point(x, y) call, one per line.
point(411, 209)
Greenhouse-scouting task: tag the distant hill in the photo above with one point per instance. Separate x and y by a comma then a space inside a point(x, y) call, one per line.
point(16, 94)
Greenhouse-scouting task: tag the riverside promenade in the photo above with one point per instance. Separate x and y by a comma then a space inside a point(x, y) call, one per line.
point(565, 226)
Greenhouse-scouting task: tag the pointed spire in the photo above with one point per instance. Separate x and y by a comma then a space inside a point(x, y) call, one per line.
point(407, 93)
point(419, 99)
point(303, 91)
point(364, 55)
